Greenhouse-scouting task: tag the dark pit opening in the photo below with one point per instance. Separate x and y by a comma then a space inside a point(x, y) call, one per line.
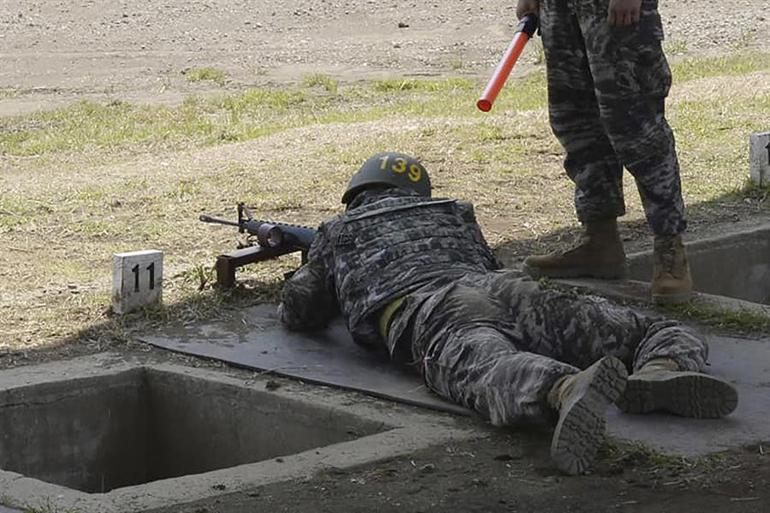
point(737, 265)
point(105, 432)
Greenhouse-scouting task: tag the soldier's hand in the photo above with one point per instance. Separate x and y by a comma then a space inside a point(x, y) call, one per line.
point(525, 7)
point(623, 13)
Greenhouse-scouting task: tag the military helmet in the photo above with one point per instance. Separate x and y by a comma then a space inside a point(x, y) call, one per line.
point(391, 168)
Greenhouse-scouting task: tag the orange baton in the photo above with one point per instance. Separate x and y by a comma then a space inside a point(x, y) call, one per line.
point(523, 34)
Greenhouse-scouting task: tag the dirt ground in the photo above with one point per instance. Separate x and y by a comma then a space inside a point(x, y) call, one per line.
point(52, 52)
point(55, 52)
point(507, 472)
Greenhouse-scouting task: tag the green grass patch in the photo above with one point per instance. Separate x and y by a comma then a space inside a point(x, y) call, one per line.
point(675, 47)
point(432, 86)
point(712, 137)
point(17, 212)
point(94, 127)
point(729, 65)
point(744, 321)
point(456, 64)
point(184, 190)
point(325, 82)
point(506, 147)
point(622, 454)
point(103, 128)
point(8, 92)
point(205, 75)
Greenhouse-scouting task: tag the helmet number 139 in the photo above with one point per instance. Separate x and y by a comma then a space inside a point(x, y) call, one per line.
point(399, 166)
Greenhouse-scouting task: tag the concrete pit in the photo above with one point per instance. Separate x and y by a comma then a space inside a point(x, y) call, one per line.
point(131, 438)
point(142, 425)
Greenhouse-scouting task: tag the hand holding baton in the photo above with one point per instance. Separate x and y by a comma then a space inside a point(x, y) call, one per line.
point(523, 34)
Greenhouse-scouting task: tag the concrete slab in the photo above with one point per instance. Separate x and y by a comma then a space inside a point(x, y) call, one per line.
point(340, 363)
point(744, 362)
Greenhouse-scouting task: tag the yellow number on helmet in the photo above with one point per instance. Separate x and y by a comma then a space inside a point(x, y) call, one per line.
point(400, 166)
point(415, 173)
point(384, 163)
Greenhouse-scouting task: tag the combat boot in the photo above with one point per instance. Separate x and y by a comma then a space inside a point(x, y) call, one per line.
point(660, 386)
point(598, 255)
point(671, 281)
point(582, 400)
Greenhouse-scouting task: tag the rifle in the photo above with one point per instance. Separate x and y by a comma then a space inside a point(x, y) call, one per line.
point(273, 240)
point(524, 32)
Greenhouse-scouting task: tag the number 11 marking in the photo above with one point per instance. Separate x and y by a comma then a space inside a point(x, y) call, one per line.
point(150, 269)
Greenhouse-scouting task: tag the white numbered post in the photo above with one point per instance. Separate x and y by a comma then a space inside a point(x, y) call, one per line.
point(137, 279)
point(760, 158)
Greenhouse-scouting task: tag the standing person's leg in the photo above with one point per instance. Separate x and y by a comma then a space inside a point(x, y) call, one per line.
point(590, 159)
point(632, 79)
point(667, 357)
point(464, 347)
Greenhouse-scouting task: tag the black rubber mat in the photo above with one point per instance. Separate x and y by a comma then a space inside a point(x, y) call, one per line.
point(258, 341)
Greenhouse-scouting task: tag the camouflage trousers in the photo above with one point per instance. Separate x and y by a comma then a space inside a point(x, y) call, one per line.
point(496, 342)
point(606, 96)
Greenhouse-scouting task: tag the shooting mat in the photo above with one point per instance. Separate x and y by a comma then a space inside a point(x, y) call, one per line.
point(257, 341)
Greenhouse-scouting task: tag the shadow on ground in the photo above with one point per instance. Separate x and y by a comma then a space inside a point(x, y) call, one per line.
point(735, 211)
point(739, 210)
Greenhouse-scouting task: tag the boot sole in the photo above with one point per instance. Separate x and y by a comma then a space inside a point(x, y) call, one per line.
point(581, 427)
point(689, 394)
point(609, 272)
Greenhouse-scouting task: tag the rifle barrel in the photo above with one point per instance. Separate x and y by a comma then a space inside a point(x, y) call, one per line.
point(216, 220)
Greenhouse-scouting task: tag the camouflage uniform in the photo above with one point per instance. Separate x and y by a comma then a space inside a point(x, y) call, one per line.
point(485, 338)
point(607, 88)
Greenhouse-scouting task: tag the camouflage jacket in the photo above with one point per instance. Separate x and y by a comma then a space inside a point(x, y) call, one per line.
point(386, 245)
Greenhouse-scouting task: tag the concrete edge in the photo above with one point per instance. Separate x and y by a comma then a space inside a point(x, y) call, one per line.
point(386, 445)
point(711, 242)
point(639, 292)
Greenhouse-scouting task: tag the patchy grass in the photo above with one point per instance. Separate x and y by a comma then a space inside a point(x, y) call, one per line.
point(83, 182)
point(618, 455)
point(8, 92)
point(743, 321)
point(675, 47)
point(207, 74)
point(728, 65)
point(325, 82)
point(743, 39)
point(16, 212)
point(538, 51)
point(712, 138)
point(94, 127)
point(456, 64)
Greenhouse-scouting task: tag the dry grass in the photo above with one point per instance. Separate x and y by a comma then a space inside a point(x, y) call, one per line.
point(84, 182)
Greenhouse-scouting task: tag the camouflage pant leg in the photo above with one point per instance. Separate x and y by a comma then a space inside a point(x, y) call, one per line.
point(669, 339)
point(631, 79)
point(464, 347)
point(579, 329)
point(590, 160)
